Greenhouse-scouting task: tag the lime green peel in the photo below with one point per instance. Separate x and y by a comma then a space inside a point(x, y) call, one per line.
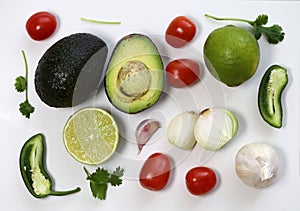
point(100, 21)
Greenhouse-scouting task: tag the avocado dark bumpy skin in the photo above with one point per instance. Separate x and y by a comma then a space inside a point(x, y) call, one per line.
point(135, 74)
point(70, 71)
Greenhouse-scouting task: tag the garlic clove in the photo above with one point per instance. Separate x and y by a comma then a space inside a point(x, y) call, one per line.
point(257, 164)
point(145, 131)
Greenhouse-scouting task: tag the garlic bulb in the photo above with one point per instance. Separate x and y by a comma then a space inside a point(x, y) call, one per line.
point(257, 164)
point(180, 130)
point(215, 127)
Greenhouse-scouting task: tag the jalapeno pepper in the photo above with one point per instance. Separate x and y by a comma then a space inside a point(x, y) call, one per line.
point(271, 87)
point(33, 171)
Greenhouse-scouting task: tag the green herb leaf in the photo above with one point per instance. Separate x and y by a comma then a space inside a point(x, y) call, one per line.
point(115, 177)
point(261, 20)
point(100, 178)
point(20, 84)
point(119, 172)
point(26, 109)
point(99, 190)
point(274, 34)
point(257, 33)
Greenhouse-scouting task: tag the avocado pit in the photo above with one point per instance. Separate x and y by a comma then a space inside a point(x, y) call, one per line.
point(134, 79)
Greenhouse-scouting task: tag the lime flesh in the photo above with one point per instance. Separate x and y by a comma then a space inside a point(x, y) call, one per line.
point(91, 135)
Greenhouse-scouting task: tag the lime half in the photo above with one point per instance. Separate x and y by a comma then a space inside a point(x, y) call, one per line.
point(91, 135)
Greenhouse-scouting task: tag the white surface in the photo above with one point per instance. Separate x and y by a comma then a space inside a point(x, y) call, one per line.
point(151, 18)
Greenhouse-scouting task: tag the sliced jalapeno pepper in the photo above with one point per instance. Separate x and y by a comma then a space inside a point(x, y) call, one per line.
point(33, 172)
point(271, 87)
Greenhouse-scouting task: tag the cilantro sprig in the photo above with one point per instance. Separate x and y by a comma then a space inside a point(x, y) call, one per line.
point(100, 179)
point(21, 85)
point(274, 33)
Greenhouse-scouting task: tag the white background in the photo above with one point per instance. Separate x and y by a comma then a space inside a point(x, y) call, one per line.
point(150, 18)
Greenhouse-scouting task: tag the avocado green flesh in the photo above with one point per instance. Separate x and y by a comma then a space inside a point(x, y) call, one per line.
point(70, 70)
point(134, 78)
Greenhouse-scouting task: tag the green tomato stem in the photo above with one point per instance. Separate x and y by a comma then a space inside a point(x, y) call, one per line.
point(87, 173)
point(26, 75)
point(229, 19)
point(100, 22)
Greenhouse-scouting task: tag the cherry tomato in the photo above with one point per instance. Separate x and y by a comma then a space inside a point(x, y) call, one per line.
point(200, 180)
point(180, 31)
point(41, 25)
point(155, 172)
point(182, 72)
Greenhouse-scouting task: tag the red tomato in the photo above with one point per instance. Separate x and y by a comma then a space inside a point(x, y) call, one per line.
point(180, 31)
point(182, 72)
point(200, 180)
point(41, 25)
point(155, 172)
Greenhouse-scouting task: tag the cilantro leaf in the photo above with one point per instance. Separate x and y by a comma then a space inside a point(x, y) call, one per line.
point(100, 178)
point(115, 177)
point(26, 109)
point(261, 20)
point(115, 180)
point(20, 84)
point(257, 33)
point(119, 172)
point(99, 190)
point(274, 33)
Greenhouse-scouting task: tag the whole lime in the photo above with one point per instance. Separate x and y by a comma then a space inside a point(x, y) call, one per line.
point(231, 54)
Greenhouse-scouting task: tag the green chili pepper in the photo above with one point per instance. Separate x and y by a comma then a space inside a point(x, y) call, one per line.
point(271, 87)
point(34, 174)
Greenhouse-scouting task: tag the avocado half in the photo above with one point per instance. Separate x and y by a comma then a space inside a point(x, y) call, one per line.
point(70, 70)
point(135, 74)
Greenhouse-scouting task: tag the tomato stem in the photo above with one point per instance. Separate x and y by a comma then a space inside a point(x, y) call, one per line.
point(26, 74)
point(99, 21)
point(229, 19)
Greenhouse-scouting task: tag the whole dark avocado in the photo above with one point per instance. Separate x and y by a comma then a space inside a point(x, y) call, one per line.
point(135, 74)
point(70, 71)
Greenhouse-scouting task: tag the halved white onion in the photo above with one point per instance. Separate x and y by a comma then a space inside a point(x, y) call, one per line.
point(215, 127)
point(180, 130)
